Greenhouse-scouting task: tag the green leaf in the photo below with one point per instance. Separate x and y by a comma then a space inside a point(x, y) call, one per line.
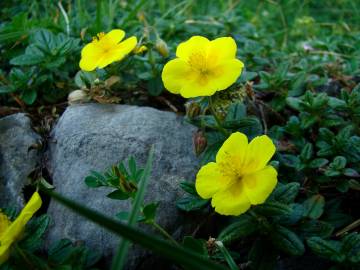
point(328, 249)
point(318, 163)
point(149, 212)
point(155, 86)
point(353, 184)
point(188, 187)
point(93, 182)
point(243, 226)
point(263, 255)
point(119, 195)
point(286, 193)
point(293, 218)
point(35, 230)
point(294, 103)
point(307, 152)
point(196, 245)
point(161, 247)
point(29, 96)
point(314, 206)
point(351, 247)
point(191, 203)
point(270, 209)
point(287, 241)
point(236, 112)
point(319, 228)
point(120, 258)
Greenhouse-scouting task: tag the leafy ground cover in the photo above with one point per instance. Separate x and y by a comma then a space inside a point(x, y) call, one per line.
point(300, 86)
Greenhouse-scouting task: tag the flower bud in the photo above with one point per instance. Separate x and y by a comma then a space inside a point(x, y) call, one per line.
point(78, 96)
point(162, 47)
point(140, 49)
point(193, 109)
point(200, 142)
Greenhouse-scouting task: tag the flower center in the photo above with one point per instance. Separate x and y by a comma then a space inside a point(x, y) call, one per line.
point(198, 63)
point(98, 37)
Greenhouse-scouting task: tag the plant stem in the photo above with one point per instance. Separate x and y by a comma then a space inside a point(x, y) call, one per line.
point(164, 233)
point(217, 119)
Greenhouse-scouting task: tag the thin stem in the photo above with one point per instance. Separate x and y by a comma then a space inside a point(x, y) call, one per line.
point(164, 233)
point(66, 18)
point(217, 119)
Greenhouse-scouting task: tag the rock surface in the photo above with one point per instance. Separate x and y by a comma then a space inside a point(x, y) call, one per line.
point(94, 137)
point(17, 160)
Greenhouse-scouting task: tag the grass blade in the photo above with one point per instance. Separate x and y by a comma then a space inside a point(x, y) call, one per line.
point(227, 255)
point(120, 258)
point(177, 254)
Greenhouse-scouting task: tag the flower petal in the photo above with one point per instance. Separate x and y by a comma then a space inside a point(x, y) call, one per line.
point(15, 229)
point(259, 185)
point(113, 37)
point(197, 88)
point(223, 48)
point(118, 52)
point(209, 180)
point(127, 45)
point(90, 56)
point(231, 201)
point(174, 75)
point(193, 45)
point(226, 73)
point(235, 147)
point(260, 151)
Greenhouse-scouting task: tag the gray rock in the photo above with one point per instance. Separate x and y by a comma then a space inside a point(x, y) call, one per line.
point(17, 160)
point(94, 137)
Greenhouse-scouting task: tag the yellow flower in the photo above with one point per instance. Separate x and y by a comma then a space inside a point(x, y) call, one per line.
point(240, 176)
point(106, 49)
point(202, 67)
point(11, 231)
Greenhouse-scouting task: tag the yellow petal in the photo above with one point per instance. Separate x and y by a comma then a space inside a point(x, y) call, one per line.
point(234, 148)
point(175, 74)
point(196, 88)
point(260, 151)
point(226, 73)
point(15, 229)
point(259, 185)
point(127, 45)
point(117, 53)
point(223, 48)
point(232, 201)
point(196, 44)
point(209, 180)
point(113, 37)
point(4, 223)
point(90, 56)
